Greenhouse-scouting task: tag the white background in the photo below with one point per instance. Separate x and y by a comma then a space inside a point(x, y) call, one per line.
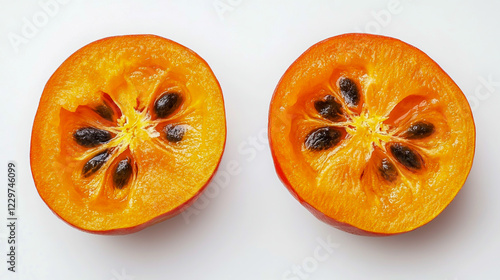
point(252, 228)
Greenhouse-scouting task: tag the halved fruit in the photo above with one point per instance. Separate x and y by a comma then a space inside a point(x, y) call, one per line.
point(128, 132)
point(370, 134)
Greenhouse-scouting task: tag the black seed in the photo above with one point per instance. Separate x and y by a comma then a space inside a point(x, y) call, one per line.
point(406, 156)
point(329, 108)
point(166, 104)
point(349, 91)
point(174, 133)
point(419, 130)
point(122, 174)
point(322, 138)
point(91, 136)
point(105, 112)
point(95, 163)
point(388, 170)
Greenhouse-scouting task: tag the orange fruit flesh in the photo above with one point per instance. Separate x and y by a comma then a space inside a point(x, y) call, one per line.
point(115, 85)
point(401, 152)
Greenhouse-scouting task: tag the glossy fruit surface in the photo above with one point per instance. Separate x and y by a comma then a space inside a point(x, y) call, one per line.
point(370, 134)
point(128, 132)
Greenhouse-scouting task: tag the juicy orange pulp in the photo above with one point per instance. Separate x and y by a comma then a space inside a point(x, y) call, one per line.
point(399, 154)
point(115, 85)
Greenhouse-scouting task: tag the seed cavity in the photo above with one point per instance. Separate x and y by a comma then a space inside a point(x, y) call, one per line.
point(349, 91)
point(419, 130)
point(322, 138)
point(406, 156)
point(91, 137)
point(122, 174)
point(95, 163)
point(105, 112)
point(174, 133)
point(167, 104)
point(388, 170)
point(329, 108)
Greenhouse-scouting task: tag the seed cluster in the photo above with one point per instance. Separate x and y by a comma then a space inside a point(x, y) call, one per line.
point(330, 108)
point(91, 137)
point(327, 137)
point(164, 106)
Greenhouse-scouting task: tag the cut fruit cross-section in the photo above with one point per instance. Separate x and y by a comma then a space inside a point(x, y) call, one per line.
point(128, 132)
point(370, 134)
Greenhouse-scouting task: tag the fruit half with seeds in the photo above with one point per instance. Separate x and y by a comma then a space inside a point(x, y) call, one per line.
point(128, 132)
point(370, 134)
